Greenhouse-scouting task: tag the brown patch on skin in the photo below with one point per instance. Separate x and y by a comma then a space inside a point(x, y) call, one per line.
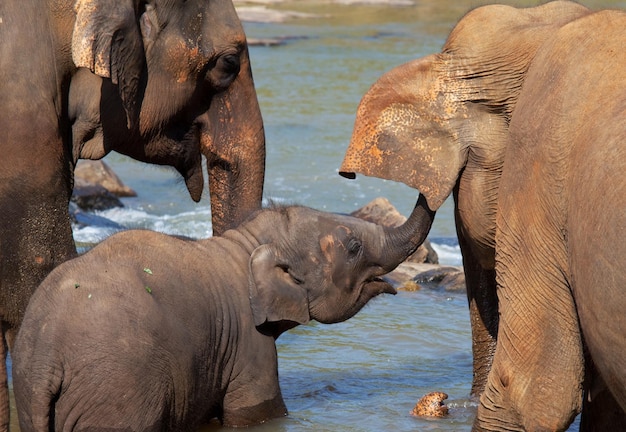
point(187, 60)
point(431, 405)
point(326, 244)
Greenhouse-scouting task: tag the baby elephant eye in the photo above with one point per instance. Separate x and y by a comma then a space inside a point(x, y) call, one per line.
point(291, 274)
point(354, 246)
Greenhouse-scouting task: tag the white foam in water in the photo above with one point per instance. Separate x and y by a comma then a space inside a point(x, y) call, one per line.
point(448, 254)
point(194, 224)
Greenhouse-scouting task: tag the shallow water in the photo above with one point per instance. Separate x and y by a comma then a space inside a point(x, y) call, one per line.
point(367, 373)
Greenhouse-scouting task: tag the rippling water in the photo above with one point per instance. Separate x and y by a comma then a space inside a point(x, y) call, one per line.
point(367, 373)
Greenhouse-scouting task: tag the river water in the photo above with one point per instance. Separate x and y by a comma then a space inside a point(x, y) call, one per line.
point(367, 373)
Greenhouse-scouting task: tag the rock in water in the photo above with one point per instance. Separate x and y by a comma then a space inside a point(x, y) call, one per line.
point(431, 405)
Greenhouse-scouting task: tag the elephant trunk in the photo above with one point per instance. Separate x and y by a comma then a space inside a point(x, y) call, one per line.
point(234, 145)
point(400, 242)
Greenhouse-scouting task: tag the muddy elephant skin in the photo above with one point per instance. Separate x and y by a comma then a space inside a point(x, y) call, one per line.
point(161, 81)
point(152, 332)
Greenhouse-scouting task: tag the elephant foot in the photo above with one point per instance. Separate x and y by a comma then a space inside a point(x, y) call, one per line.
point(431, 405)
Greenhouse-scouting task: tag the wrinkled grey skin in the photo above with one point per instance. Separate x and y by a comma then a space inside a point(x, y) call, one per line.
point(149, 332)
point(440, 125)
point(561, 239)
point(161, 81)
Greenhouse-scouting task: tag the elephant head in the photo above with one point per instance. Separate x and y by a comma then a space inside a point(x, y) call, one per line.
point(440, 122)
point(324, 266)
point(173, 81)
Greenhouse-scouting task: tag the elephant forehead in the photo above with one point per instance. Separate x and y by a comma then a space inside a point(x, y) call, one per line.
point(186, 59)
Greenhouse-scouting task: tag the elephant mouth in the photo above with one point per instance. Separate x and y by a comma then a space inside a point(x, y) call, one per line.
point(376, 286)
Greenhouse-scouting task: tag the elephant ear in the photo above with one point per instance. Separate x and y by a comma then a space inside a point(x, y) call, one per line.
point(107, 40)
point(274, 294)
point(404, 131)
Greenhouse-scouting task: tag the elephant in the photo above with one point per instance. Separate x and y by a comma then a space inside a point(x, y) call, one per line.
point(439, 124)
point(152, 332)
point(560, 236)
point(164, 82)
point(443, 124)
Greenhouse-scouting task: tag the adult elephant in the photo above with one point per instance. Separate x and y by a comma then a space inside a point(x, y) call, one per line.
point(440, 125)
point(561, 237)
point(161, 81)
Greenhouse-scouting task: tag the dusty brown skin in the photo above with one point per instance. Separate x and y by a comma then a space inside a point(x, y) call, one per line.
point(440, 125)
point(151, 332)
point(561, 239)
point(161, 81)
point(431, 405)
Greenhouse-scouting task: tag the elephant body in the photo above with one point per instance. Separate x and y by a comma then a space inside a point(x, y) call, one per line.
point(440, 125)
point(152, 332)
point(501, 119)
point(561, 232)
point(164, 82)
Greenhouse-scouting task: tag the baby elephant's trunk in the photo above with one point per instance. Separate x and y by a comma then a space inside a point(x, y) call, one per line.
point(400, 242)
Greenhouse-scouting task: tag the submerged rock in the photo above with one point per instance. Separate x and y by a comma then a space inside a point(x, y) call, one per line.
point(411, 276)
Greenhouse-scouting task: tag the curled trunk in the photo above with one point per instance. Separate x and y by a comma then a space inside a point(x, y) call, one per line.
point(400, 242)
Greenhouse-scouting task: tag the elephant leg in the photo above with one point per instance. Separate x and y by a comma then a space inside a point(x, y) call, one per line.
point(601, 412)
point(483, 310)
point(537, 375)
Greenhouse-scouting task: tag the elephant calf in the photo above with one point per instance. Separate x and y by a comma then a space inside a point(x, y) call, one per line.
point(149, 332)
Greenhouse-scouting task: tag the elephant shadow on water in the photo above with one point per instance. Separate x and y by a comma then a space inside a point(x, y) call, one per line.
point(520, 118)
point(153, 332)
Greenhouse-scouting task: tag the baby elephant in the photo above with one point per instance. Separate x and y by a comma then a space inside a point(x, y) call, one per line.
point(149, 332)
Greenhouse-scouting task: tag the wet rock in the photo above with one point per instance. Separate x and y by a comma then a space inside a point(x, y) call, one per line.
point(431, 405)
point(82, 218)
point(93, 197)
point(382, 212)
point(411, 276)
point(97, 187)
point(99, 173)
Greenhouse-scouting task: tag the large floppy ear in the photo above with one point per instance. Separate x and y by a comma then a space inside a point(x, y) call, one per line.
point(107, 40)
point(274, 294)
point(403, 133)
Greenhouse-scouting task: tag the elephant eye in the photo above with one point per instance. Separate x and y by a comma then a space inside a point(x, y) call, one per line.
point(230, 64)
point(285, 268)
point(354, 246)
point(224, 71)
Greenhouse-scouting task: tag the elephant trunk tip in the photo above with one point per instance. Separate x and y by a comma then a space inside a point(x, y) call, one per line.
point(347, 174)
